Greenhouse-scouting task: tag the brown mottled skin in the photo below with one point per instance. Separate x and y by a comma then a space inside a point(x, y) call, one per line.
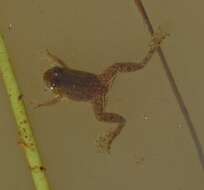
point(84, 86)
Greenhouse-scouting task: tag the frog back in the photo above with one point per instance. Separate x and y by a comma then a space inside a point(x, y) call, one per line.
point(80, 85)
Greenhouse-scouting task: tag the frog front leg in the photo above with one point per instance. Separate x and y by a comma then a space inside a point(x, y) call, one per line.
point(53, 101)
point(110, 73)
point(55, 59)
point(105, 141)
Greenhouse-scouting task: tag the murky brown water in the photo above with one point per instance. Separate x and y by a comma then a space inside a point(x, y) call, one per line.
point(155, 150)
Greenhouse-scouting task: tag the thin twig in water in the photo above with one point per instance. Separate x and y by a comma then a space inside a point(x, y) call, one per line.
point(174, 87)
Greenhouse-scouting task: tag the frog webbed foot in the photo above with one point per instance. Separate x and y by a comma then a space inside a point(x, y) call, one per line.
point(104, 141)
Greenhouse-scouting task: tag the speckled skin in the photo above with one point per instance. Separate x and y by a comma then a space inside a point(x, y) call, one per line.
point(84, 86)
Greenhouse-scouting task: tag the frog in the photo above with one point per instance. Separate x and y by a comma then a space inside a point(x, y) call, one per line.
point(78, 85)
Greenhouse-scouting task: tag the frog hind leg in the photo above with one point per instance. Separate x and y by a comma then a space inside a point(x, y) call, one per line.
point(105, 140)
point(110, 73)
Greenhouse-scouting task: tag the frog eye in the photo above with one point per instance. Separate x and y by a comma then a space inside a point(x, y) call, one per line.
point(56, 74)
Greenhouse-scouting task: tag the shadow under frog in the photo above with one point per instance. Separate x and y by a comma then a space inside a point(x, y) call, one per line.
point(78, 85)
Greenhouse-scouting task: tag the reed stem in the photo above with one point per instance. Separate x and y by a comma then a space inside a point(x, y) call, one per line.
point(26, 138)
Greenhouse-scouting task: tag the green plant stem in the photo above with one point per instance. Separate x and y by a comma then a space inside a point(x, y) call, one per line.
point(26, 140)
